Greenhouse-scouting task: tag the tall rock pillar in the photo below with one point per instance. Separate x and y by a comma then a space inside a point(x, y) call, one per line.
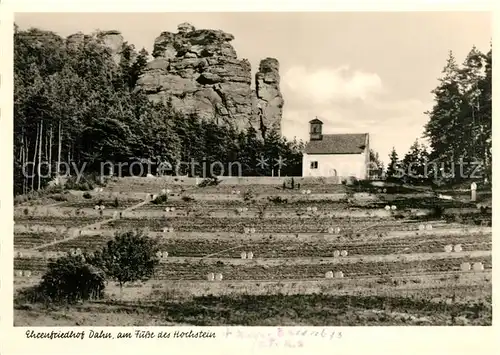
point(269, 99)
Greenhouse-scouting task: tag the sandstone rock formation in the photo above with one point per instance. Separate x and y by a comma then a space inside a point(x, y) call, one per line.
point(114, 41)
point(75, 39)
point(269, 99)
point(198, 71)
point(111, 39)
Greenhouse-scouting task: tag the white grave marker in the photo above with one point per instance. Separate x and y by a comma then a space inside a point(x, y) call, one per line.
point(473, 188)
point(478, 267)
point(465, 267)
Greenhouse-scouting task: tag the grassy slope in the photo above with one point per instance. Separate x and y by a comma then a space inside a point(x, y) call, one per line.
point(341, 310)
point(264, 310)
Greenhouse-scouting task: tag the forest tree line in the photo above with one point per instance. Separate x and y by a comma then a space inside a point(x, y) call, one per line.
point(459, 130)
point(74, 104)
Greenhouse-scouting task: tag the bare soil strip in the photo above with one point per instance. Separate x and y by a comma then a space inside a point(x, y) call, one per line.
point(97, 225)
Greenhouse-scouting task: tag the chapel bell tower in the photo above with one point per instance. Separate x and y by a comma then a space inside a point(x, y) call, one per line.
point(315, 130)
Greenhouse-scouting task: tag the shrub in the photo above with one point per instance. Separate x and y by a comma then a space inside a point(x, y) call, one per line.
point(277, 199)
point(129, 257)
point(87, 195)
point(59, 198)
point(213, 181)
point(69, 279)
point(54, 189)
point(248, 195)
point(116, 203)
point(73, 184)
point(85, 183)
point(161, 199)
point(187, 199)
point(437, 212)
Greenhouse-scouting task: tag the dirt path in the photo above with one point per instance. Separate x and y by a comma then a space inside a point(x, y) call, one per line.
point(350, 259)
point(333, 260)
point(88, 227)
point(367, 234)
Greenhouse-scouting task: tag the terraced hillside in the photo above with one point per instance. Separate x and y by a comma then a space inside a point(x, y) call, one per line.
point(266, 241)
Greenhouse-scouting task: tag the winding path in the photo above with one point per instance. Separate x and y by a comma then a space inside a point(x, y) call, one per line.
point(90, 226)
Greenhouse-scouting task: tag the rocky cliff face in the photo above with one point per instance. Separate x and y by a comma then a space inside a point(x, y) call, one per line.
point(114, 41)
point(111, 39)
point(198, 72)
point(269, 99)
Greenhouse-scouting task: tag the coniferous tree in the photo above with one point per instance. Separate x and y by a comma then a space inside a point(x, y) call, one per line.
point(459, 128)
point(415, 163)
point(376, 165)
point(394, 167)
point(444, 127)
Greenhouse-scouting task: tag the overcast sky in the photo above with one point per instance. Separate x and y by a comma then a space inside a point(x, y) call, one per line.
point(358, 72)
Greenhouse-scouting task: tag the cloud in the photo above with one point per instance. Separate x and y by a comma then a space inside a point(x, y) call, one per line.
point(324, 86)
point(351, 101)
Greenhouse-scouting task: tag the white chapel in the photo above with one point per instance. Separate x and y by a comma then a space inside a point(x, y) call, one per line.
point(335, 155)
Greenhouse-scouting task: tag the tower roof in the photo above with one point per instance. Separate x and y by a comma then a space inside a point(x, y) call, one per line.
point(316, 121)
point(338, 144)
